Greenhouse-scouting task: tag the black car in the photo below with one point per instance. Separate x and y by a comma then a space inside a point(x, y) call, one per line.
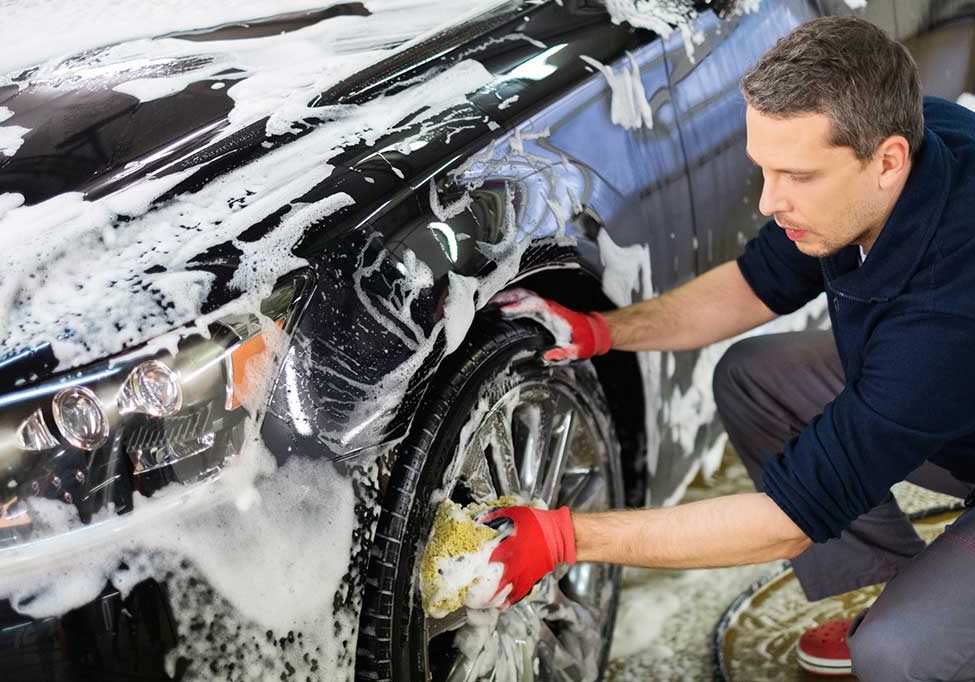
point(247, 343)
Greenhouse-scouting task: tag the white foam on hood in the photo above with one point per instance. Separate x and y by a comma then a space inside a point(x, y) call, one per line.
point(70, 27)
point(11, 138)
point(148, 89)
point(663, 17)
point(68, 264)
point(276, 247)
point(273, 77)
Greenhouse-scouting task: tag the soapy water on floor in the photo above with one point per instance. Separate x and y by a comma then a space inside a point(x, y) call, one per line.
point(666, 618)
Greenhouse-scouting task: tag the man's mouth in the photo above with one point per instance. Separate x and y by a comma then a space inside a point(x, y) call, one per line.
point(793, 233)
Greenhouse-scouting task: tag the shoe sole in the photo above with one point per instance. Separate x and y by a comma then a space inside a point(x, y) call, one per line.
point(829, 667)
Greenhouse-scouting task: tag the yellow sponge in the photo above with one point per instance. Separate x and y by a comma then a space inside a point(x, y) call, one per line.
point(455, 569)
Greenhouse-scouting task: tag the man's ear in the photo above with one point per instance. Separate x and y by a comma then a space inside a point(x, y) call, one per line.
point(894, 158)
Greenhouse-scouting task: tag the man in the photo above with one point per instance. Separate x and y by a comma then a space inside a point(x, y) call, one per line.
point(872, 198)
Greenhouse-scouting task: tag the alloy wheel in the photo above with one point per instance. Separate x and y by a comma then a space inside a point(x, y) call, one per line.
point(539, 440)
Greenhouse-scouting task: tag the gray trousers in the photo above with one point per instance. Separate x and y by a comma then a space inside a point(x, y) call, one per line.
point(922, 627)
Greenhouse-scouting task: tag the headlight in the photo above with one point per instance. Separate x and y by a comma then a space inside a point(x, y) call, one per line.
point(80, 418)
point(152, 388)
point(141, 421)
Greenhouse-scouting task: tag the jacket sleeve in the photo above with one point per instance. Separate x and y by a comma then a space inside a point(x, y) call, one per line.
point(913, 397)
point(783, 277)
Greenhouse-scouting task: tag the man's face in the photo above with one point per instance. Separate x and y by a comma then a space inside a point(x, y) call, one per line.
point(821, 195)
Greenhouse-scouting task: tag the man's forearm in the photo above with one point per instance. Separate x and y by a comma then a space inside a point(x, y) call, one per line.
point(717, 305)
point(722, 531)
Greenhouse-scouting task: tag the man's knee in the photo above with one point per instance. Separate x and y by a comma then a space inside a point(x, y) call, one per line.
point(767, 387)
point(737, 364)
point(876, 653)
point(892, 649)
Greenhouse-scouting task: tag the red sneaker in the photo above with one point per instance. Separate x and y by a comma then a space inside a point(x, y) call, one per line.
point(823, 651)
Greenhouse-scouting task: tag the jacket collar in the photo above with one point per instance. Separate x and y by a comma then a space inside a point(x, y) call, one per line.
point(905, 237)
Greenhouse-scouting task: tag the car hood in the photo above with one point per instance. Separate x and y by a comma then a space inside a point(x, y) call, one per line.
point(93, 121)
point(136, 177)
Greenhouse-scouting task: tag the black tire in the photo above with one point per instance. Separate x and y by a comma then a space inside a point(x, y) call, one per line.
point(496, 356)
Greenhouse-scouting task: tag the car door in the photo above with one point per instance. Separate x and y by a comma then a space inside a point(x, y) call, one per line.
point(704, 79)
point(703, 74)
point(644, 166)
point(640, 233)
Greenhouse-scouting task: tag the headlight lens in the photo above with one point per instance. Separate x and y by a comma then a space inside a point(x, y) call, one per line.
point(152, 388)
point(81, 418)
point(141, 421)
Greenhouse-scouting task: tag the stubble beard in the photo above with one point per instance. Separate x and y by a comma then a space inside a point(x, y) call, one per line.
point(861, 226)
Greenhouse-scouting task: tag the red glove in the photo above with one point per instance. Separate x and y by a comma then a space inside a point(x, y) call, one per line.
point(538, 540)
point(578, 335)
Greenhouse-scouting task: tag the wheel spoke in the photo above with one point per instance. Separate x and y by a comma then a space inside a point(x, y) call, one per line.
point(502, 458)
point(579, 587)
point(558, 443)
point(574, 483)
point(463, 670)
point(574, 651)
point(515, 659)
point(476, 472)
point(582, 488)
point(553, 655)
point(452, 621)
point(528, 429)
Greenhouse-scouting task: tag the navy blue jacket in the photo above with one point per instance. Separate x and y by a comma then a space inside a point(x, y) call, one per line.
point(904, 324)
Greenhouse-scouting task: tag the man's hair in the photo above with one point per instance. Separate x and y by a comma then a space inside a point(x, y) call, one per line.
point(848, 70)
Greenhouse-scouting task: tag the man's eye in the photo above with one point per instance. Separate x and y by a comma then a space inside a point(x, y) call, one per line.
point(800, 178)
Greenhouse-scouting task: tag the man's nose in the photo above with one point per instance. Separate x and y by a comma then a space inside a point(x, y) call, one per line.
point(773, 200)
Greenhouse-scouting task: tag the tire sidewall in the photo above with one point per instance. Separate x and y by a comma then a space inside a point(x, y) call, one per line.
point(497, 357)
